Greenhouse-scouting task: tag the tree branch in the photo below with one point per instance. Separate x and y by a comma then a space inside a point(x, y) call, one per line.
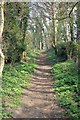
point(73, 8)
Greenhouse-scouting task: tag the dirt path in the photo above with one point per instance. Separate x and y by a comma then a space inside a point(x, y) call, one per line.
point(39, 99)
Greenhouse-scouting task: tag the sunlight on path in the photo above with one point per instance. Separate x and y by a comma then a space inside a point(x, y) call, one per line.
point(39, 98)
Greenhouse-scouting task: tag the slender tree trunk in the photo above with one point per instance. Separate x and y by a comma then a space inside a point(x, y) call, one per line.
point(1, 31)
point(78, 38)
point(56, 21)
point(40, 45)
point(68, 25)
point(75, 23)
point(53, 25)
point(78, 22)
point(69, 32)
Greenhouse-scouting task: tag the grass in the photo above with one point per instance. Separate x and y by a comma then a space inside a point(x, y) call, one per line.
point(14, 79)
point(65, 76)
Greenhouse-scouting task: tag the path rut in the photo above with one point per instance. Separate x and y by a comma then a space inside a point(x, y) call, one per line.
point(39, 100)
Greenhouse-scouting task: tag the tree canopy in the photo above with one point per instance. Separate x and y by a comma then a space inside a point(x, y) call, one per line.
point(27, 28)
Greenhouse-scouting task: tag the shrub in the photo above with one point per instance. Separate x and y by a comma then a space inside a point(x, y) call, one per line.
point(67, 50)
point(61, 51)
point(72, 49)
point(66, 83)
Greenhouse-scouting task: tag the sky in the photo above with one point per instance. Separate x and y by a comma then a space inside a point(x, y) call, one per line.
point(40, 0)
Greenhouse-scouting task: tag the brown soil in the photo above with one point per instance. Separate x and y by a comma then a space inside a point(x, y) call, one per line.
point(39, 100)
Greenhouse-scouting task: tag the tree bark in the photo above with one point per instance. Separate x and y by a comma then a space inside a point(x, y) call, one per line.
point(78, 38)
point(68, 24)
point(75, 23)
point(1, 31)
point(53, 24)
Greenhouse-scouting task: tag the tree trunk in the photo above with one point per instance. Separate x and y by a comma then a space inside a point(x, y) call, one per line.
point(53, 24)
point(75, 23)
point(1, 31)
point(68, 24)
point(40, 45)
point(78, 39)
point(69, 32)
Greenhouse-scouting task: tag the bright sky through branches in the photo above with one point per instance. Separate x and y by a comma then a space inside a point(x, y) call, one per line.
point(40, 0)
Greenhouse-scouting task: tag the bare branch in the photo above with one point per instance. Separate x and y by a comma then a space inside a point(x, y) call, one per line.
point(73, 8)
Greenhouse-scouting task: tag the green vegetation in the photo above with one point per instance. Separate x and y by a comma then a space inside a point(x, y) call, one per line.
point(55, 27)
point(14, 31)
point(51, 56)
point(65, 75)
point(14, 79)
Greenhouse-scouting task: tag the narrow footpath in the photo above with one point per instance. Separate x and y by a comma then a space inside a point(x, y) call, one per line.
point(39, 100)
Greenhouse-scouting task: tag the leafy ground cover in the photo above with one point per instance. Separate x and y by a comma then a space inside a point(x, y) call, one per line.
point(66, 86)
point(65, 76)
point(14, 79)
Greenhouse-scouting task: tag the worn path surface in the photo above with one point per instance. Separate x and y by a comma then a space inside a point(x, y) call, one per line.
point(39, 100)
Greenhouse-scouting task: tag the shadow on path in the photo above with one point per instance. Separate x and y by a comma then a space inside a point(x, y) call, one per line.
point(39, 99)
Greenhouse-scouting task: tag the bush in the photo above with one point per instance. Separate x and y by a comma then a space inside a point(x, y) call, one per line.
point(66, 83)
point(51, 56)
point(66, 50)
point(61, 51)
point(72, 48)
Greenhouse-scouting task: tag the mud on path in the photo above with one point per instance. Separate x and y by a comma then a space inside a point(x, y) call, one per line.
point(39, 100)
